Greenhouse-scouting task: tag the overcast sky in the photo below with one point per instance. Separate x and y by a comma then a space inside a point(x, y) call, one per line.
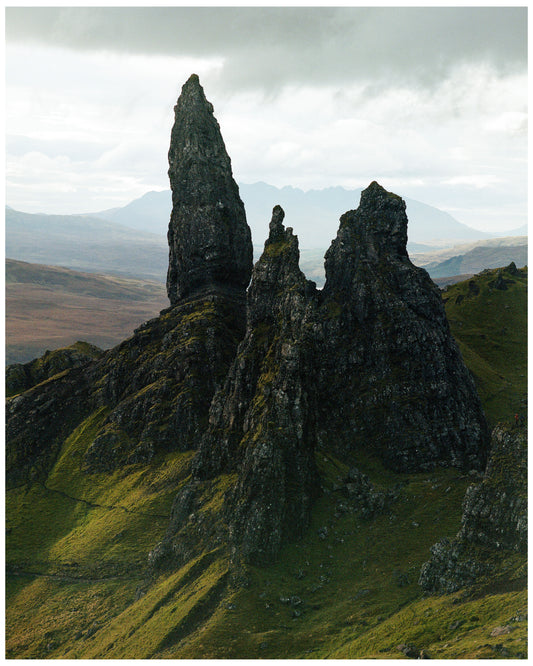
point(431, 102)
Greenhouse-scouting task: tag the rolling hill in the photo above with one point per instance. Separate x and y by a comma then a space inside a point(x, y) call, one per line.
point(85, 243)
point(49, 307)
point(488, 254)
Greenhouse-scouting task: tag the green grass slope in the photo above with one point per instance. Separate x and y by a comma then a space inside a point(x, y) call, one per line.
point(490, 326)
point(77, 546)
point(347, 591)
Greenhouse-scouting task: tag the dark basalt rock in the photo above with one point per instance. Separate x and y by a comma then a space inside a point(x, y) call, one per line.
point(278, 480)
point(369, 362)
point(22, 376)
point(209, 239)
point(39, 420)
point(494, 518)
point(364, 496)
point(276, 307)
point(158, 384)
point(495, 511)
point(392, 376)
point(261, 424)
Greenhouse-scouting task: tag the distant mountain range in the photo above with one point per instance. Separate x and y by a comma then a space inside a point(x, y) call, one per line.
point(314, 215)
point(85, 243)
point(131, 240)
point(480, 258)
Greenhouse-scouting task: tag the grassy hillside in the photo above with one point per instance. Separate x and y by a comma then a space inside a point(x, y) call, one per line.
point(77, 549)
point(49, 307)
point(348, 589)
point(490, 326)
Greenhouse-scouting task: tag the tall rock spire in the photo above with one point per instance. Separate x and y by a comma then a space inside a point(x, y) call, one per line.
point(210, 246)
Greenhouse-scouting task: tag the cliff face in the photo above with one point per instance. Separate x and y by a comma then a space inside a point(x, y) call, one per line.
point(209, 240)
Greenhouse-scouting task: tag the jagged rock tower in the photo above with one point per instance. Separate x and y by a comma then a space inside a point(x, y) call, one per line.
point(392, 377)
point(210, 247)
point(261, 433)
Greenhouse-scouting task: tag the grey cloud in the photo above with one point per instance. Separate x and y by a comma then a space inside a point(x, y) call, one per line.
point(267, 47)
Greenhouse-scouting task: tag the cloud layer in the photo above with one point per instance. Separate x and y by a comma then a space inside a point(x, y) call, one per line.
point(432, 102)
point(266, 47)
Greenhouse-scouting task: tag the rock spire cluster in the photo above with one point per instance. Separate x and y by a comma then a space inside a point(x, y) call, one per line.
point(258, 376)
point(368, 363)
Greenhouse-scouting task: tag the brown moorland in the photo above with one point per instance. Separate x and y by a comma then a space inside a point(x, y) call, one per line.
point(48, 307)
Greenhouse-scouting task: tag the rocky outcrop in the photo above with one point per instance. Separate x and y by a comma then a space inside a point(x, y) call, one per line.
point(364, 497)
point(392, 378)
point(277, 476)
point(258, 381)
point(262, 423)
point(22, 376)
point(156, 387)
point(369, 362)
point(158, 384)
point(209, 239)
point(39, 420)
point(494, 518)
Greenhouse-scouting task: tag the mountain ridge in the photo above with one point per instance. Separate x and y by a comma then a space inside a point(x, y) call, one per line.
point(311, 210)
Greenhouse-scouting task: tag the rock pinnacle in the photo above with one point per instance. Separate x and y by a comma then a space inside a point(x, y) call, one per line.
point(210, 247)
